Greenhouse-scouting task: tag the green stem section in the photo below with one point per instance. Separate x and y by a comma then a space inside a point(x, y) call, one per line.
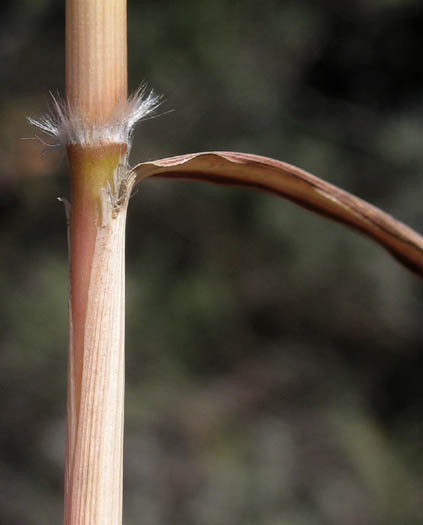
point(93, 474)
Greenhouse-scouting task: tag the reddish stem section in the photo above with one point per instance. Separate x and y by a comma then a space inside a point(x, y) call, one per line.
point(93, 477)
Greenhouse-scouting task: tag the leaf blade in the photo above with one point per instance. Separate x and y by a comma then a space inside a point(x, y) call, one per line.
point(292, 183)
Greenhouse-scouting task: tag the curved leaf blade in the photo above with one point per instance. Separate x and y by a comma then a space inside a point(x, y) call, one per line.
point(294, 184)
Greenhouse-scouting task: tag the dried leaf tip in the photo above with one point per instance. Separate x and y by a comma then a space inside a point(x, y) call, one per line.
point(67, 127)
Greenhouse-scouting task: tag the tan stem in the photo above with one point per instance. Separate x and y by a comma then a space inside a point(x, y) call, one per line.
point(96, 57)
point(96, 86)
point(93, 471)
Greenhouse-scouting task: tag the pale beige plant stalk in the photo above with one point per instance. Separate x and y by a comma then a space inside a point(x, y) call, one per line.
point(95, 123)
point(96, 91)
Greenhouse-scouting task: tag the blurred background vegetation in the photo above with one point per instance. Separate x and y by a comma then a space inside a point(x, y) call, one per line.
point(273, 358)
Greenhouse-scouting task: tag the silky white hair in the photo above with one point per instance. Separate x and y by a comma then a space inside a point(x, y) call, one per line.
point(65, 127)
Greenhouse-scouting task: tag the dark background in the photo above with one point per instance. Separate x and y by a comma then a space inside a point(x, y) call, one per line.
point(273, 357)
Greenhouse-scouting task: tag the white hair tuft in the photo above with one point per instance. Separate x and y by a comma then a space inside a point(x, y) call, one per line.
point(65, 127)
